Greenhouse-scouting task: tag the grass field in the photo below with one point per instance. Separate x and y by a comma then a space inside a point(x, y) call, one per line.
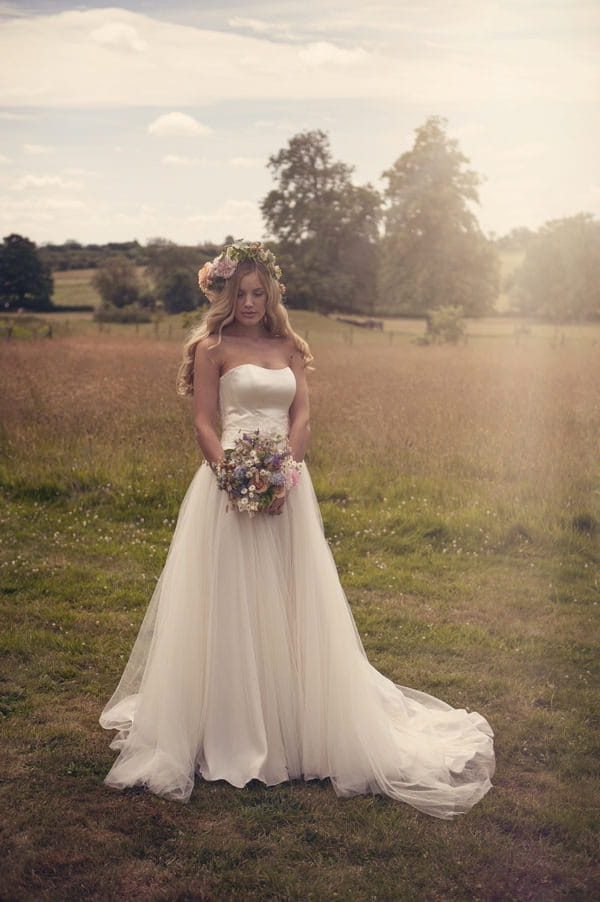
point(460, 492)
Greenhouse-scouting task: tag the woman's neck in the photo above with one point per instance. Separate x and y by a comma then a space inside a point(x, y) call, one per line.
point(251, 333)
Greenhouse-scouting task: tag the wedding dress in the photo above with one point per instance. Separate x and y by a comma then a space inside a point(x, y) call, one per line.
point(248, 664)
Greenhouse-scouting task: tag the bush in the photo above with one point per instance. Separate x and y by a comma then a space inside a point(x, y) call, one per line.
point(133, 313)
point(178, 290)
point(117, 282)
point(446, 324)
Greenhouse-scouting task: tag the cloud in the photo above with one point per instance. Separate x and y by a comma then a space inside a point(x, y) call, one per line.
point(178, 125)
point(246, 162)
point(174, 160)
point(13, 116)
point(322, 53)
point(253, 24)
point(36, 182)
point(233, 216)
point(77, 170)
point(24, 213)
point(232, 211)
point(4, 159)
point(69, 59)
point(37, 149)
point(119, 36)
point(259, 26)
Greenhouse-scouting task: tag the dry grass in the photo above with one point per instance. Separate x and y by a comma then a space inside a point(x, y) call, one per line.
point(459, 490)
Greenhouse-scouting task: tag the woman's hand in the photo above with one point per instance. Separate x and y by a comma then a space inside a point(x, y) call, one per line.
point(276, 505)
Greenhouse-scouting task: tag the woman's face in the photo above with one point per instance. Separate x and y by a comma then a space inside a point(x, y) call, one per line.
point(251, 300)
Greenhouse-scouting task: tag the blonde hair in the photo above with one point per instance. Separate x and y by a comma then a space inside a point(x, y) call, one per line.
point(221, 313)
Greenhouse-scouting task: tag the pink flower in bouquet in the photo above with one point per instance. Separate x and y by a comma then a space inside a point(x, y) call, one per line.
point(261, 484)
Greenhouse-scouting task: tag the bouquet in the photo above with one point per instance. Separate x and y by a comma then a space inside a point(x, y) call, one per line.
point(258, 469)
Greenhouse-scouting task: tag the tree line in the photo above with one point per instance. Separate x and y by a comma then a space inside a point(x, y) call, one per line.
point(412, 249)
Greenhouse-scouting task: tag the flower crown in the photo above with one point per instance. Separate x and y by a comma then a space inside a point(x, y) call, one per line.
point(213, 275)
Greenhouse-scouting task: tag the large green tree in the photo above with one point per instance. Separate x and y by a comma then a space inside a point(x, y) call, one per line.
point(433, 252)
point(325, 226)
point(25, 281)
point(560, 276)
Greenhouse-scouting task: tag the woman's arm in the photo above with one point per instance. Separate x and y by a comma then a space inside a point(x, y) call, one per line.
point(300, 410)
point(206, 403)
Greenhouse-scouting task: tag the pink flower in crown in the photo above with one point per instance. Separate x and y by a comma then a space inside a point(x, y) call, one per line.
point(205, 275)
point(224, 268)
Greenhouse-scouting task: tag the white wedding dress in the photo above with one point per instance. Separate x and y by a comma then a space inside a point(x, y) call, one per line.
point(248, 664)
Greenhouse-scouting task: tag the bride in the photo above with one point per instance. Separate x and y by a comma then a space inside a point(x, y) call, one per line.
point(248, 665)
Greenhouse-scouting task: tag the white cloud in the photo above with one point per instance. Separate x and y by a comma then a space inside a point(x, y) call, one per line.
point(246, 162)
point(77, 170)
point(36, 182)
point(253, 24)
point(233, 216)
point(23, 213)
point(281, 30)
point(518, 82)
point(56, 60)
point(37, 149)
point(13, 116)
point(4, 159)
point(178, 125)
point(232, 211)
point(174, 160)
point(322, 53)
point(120, 36)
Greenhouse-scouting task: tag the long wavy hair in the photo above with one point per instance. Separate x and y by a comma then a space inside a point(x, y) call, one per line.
point(222, 312)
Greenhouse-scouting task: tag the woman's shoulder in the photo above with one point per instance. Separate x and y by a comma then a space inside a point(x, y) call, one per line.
point(207, 351)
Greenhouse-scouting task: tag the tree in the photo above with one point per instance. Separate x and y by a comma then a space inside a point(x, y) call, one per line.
point(433, 252)
point(117, 282)
point(518, 239)
point(325, 226)
point(173, 270)
point(25, 281)
point(560, 276)
point(179, 292)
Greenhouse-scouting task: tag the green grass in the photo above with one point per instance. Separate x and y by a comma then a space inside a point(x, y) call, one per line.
point(73, 288)
point(459, 492)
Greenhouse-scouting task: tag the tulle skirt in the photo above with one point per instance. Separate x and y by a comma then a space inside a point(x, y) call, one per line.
point(248, 665)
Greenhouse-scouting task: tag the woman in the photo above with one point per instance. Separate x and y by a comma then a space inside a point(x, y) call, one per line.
point(248, 664)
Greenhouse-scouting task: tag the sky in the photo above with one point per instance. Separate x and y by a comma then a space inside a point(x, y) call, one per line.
point(156, 119)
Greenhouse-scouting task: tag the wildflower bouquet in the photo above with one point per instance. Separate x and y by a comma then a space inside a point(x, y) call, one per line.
point(258, 469)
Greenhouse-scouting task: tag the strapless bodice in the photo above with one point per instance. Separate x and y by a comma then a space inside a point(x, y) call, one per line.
point(254, 397)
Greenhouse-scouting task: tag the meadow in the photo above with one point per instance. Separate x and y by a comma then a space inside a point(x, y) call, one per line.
point(460, 493)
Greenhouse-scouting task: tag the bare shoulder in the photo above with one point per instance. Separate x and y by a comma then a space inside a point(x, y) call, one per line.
point(288, 347)
point(207, 352)
point(294, 355)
